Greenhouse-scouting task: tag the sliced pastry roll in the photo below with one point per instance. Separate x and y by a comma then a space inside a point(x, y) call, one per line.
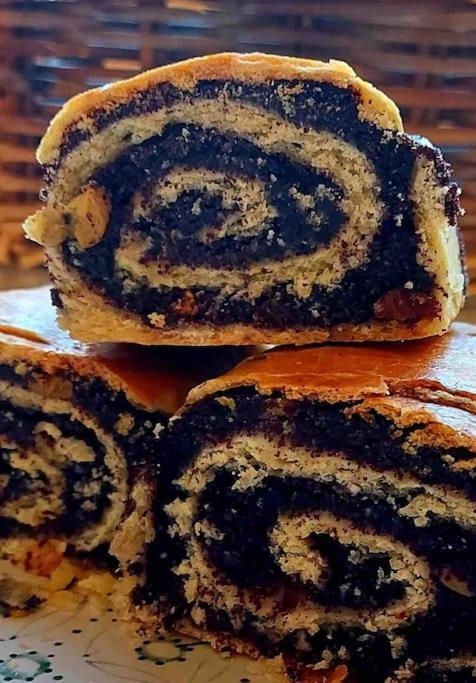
point(320, 504)
point(77, 424)
point(246, 199)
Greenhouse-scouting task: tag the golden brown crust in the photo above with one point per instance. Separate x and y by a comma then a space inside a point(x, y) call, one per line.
point(155, 379)
point(90, 318)
point(134, 331)
point(375, 106)
point(438, 370)
point(443, 419)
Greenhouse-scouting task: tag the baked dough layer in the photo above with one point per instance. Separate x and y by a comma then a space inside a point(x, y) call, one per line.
point(318, 504)
point(247, 198)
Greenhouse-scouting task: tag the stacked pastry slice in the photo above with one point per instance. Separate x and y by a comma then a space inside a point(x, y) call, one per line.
point(320, 504)
point(315, 504)
point(77, 425)
point(246, 199)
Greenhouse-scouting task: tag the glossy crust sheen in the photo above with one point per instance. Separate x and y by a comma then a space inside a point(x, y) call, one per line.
point(251, 67)
point(429, 382)
point(439, 369)
point(154, 379)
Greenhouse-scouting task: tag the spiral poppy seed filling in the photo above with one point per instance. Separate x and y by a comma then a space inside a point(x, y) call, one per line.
point(290, 232)
point(322, 531)
point(171, 228)
point(86, 485)
point(64, 468)
point(238, 209)
point(295, 218)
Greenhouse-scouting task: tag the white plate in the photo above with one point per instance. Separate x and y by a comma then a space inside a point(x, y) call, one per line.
point(83, 646)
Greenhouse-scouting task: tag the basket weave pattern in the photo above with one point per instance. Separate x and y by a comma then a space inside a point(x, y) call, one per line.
point(422, 53)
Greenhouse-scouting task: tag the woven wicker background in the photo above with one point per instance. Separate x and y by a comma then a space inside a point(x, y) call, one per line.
point(423, 53)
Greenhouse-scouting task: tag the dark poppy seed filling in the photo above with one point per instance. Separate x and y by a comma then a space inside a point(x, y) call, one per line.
point(65, 462)
point(431, 673)
point(84, 485)
point(140, 441)
point(173, 232)
point(323, 532)
point(79, 427)
point(274, 204)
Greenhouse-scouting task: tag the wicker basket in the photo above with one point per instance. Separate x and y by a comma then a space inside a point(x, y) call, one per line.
point(423, 53)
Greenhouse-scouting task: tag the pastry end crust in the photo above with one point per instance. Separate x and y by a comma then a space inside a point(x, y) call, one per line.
point(248, 67)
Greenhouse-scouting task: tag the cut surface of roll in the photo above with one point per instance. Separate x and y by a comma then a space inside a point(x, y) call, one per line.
point(246, 199)
point(320, 504)
point(77, 423)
